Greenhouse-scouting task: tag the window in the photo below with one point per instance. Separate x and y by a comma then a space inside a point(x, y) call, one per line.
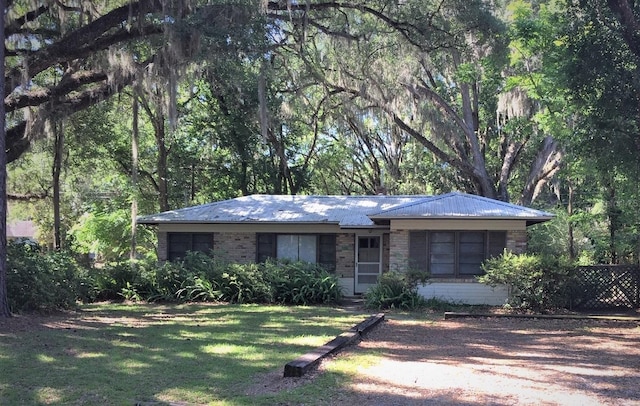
point(180, 243)
point(454, 253)
point(296, 247)
point(314, 248)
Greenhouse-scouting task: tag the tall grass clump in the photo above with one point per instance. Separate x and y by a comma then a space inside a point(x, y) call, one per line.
point(397, 290)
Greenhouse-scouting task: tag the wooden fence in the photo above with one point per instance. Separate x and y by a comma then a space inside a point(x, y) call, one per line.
point(607, 286)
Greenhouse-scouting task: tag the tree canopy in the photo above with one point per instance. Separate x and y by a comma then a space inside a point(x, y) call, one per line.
point(531, 101)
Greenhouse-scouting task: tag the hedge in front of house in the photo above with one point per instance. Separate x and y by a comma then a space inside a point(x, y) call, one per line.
point(199, 277)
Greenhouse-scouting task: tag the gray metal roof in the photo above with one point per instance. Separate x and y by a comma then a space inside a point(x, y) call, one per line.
point(457, 204)
point(346, 211)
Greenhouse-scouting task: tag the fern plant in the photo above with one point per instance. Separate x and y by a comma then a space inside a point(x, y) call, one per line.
point(396, 290)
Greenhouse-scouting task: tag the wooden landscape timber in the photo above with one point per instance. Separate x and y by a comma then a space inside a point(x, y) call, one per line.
point(303, 364)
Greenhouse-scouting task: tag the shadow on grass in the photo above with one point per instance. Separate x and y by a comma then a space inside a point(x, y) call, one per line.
point(123, 354)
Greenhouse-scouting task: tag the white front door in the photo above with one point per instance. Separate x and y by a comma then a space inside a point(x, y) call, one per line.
point(368, 261)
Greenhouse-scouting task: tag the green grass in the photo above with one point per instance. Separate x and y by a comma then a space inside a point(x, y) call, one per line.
point(195, 354)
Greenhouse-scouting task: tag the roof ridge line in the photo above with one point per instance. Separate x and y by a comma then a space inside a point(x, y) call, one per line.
point(420, 200)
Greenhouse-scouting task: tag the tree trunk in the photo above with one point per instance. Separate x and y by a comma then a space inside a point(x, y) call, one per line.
point(58, 153)
point(572, 247)
point(629, 24)
point(156, 116)
point(613, 214)
point(545, 165)
point(162, 166)
point(4, 301)
point(134, 179)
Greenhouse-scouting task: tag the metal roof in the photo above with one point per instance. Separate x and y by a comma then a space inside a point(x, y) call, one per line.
point(457, 204)
point(346, 211)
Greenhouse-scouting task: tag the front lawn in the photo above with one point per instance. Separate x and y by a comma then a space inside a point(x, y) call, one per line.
point(112, 354)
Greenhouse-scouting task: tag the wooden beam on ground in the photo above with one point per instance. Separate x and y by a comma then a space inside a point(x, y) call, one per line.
point(612, 317)
point(301, 365)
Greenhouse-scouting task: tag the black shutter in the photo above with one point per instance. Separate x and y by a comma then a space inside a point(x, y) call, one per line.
point(497, 243)
point(178, 245)
point(265, 246)
point(202, 242)
point(327, 251)
point(418, 250)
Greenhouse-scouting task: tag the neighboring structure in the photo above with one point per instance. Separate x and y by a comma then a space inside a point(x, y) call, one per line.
point(359, 237)
point(21, 230)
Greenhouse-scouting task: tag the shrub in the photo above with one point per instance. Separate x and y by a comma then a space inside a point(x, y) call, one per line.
point(244, 283)
point(396, 290)
point(199, 277)
point(301, 283)
point(537, 282)
point(109, 281)
point(42, 281)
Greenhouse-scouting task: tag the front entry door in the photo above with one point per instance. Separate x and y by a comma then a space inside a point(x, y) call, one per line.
point(368, 262)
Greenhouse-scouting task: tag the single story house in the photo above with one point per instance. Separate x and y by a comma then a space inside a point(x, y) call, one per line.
point(359, 237)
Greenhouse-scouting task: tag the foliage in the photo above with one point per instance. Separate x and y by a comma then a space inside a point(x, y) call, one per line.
point(199, 277)
point(396, 290)
point(54, 280)
point(535, 99)
point(301, 283)
point(42, 281)
point(537, 282)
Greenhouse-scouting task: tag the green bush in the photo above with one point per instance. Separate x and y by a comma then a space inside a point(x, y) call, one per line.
point(301, 283)
point(537, 282)
point(109, 281)
point(396, 290)
point(42, 281)
point(199, 277)
point(244, 283)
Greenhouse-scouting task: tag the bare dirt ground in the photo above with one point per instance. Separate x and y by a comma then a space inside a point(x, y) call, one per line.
point(504, 361)
point(494, 361)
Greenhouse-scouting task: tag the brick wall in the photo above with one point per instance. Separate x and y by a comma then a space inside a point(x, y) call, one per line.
point(398, 250)
point(517, 241)
point(162, 246)
point(345, 255)
point(235, 247)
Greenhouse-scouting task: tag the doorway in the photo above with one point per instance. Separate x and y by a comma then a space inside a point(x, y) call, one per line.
point(368, 262)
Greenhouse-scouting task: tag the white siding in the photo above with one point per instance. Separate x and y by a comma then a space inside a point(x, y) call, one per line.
point(347, 286)
point(472, 293)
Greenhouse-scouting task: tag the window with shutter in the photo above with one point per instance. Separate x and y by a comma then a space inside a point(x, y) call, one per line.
point(454, 253)
point(418, 250)
point(181, 243)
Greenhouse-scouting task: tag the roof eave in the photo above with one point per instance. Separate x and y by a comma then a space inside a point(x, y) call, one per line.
point(540, 219)
point(299, 223)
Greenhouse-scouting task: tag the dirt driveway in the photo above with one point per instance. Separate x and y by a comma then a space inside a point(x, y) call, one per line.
point(501, 361)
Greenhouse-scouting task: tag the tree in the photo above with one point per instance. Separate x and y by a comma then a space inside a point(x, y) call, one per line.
point(5, 311)
point(61, 60)
point(601, 70)
point(58, 157)
point(433, 69)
